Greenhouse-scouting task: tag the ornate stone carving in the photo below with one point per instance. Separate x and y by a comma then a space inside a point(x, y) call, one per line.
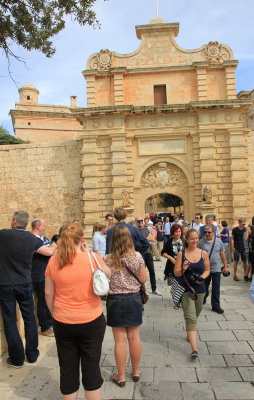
point(216, 53)
point(126, 199)
point(103, 60)
point(163, 174)
point(207, 194)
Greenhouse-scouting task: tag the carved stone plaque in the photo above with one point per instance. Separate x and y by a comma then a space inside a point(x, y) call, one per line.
point(163, 174)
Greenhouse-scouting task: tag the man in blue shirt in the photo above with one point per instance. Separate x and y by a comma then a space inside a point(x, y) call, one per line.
point(140, 242)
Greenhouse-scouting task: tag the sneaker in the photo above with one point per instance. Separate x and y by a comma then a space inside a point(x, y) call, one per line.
point(245, 279)
point(9, 362)
point(218, 310)
point(48, 333)
point(156, 293)
point(249, 280)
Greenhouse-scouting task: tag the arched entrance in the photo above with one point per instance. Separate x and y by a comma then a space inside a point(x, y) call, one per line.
point(164, 202)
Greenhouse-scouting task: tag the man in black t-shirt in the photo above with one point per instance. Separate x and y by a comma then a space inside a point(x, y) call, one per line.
point(16, 250)
point(238, 247)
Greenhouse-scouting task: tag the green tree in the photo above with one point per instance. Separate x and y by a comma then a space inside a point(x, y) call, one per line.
point(170, 200)
point(6, 138)
point(32, 23)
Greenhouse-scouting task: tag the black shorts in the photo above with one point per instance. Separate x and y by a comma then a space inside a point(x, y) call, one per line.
point(124, 310)
point(79, 343)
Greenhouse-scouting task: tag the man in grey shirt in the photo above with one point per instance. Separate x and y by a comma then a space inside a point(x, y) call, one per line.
point(215, 250)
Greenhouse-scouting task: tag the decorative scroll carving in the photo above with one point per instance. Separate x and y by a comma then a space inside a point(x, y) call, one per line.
point(102, 61)
point(163, 174)
point(216, 53)
point(207, 194)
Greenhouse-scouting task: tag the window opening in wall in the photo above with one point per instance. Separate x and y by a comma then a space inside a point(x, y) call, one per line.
point(28, 97)
point(160, 94)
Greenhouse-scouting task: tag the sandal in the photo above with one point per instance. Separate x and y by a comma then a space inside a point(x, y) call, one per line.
point(118, 382)
point(236, 278)
point(135, 377)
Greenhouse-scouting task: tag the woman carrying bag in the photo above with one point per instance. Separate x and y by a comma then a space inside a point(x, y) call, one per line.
point(193, 264)
point(124, 305)
point(78, 321)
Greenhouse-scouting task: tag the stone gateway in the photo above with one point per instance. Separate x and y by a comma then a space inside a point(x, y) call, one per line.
point(159, 120)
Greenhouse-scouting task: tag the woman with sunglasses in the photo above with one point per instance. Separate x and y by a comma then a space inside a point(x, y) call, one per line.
point(194, 264)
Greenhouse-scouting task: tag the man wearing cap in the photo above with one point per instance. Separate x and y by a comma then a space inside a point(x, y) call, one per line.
point(238, 248)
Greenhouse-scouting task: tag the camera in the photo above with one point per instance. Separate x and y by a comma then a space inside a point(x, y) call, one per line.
point(194, 277)
point(225, 274)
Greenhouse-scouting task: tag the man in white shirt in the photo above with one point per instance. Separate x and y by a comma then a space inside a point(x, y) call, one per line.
point(197, 223)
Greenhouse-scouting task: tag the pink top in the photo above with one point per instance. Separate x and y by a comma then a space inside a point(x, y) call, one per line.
point(122, 281)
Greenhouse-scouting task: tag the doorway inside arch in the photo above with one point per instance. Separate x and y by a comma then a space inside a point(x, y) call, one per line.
point(164, 203)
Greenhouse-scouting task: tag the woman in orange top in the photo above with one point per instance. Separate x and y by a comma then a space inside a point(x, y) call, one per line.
point(78, 320)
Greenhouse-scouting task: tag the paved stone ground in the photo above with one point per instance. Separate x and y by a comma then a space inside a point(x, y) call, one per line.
point(224, 370)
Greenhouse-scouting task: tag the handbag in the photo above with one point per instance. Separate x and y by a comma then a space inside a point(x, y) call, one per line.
point(143, 293)
point(177, 290)
point(100, 280)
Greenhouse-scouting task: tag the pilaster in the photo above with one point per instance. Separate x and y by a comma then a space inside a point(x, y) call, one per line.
point(202, 83)
point(230, 82)
point(118, 89)
point(90, 91)
point(239, 174)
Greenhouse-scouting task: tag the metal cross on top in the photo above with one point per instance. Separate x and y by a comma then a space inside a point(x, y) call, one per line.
point(157, 8)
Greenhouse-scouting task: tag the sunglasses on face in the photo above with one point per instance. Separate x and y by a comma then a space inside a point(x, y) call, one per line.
point(208, 233)
point(141, 220)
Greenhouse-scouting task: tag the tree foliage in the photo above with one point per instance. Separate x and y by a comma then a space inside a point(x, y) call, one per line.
point(32, 23)
point(170, 200)
point(6, 138)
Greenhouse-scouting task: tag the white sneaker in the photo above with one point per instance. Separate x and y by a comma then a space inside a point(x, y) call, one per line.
point(156, 293)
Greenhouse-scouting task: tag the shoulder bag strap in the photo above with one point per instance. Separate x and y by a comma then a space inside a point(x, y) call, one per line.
point(90, 261)
point(212, 248)
point(131, 273)
point(96, 260)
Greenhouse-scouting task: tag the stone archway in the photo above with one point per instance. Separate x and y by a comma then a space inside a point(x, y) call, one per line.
point(164, 176)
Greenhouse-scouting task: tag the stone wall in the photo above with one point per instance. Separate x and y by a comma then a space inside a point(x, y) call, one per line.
point(43, 180)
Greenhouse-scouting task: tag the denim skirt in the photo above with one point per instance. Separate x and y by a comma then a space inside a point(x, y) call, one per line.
point(124, 310)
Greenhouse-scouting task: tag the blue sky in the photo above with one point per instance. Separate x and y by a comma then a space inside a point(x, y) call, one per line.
point(58, 78)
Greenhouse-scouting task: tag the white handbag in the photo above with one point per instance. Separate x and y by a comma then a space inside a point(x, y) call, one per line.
point(100, 280)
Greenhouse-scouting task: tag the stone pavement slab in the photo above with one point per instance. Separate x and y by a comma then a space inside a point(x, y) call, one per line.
point(224, 370)
point(197, 391)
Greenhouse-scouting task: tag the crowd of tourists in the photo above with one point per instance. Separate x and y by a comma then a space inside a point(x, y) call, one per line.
point(61, 273)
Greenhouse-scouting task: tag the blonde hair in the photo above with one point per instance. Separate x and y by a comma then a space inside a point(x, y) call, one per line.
point(121, 245)
point(70, 238)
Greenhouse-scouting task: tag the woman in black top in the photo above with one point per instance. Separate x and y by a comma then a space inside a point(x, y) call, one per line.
point(171, 249)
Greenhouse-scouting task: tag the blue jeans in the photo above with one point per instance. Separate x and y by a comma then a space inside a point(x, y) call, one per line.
point(43, 313)
point(23, 295)
point(215, 277)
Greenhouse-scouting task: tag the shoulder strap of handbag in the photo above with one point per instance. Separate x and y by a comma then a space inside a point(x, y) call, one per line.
point(212, 248)
point(90, 260)
point(131, 273)
point(184, 277)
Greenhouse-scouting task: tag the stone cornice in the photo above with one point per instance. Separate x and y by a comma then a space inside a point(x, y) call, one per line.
point(146, 70)
point(191, 106)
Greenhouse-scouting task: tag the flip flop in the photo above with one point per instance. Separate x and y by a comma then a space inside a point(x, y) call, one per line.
point(118, 382)
point(236, 279)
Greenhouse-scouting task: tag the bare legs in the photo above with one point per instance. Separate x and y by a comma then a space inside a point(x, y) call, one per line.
point(245, 268)
point(192, 338)
point(89, 395)
point(121, 336)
